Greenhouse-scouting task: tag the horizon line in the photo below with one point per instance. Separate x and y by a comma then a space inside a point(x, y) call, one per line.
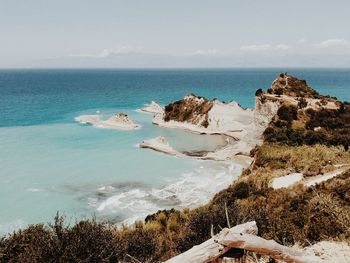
point(170, 68)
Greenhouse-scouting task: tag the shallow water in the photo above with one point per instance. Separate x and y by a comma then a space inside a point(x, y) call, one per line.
point(49, 162)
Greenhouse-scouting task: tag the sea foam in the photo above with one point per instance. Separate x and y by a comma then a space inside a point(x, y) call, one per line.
point(189, 190)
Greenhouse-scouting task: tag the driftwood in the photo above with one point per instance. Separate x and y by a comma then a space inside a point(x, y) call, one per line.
point(242, 237)
point(211, 249)
point(253, 243)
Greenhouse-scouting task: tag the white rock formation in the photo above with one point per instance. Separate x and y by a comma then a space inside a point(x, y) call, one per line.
point(223, 118)
point(159, 144)
point(119, 121)
point(227, 152)
point(228, 117)
point(264, 111)
point(244, 125)
point(153, 108)
point(88, 119)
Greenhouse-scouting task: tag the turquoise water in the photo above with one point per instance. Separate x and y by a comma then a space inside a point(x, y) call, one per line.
point(51, 163)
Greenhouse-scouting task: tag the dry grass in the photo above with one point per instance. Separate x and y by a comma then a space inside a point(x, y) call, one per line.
point(309, 160)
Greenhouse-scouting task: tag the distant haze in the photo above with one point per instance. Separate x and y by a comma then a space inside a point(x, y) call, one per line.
point(174, 34)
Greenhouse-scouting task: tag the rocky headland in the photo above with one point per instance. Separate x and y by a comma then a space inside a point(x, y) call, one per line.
point(202, 116)
point(297, 140)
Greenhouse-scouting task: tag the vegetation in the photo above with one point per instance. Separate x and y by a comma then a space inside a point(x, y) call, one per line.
point(298, 127)
point(188, 110)
point(258, 92)
point(309, 160)
point(291, 86)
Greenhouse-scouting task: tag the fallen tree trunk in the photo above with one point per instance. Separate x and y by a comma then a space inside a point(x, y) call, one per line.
point(211, 249)
point(253, 243)
point(242, 237)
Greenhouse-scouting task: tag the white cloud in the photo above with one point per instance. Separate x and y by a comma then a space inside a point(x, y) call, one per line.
point(265, 47)
point(336, 42)
point(206, 52)
point(255, 47)
point(281, 47)
point(104, 53)
point(301, 41)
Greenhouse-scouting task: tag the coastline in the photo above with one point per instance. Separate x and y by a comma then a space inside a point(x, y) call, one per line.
point(251, 195)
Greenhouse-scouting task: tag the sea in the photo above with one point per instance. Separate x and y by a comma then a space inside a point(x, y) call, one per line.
point(51, 164)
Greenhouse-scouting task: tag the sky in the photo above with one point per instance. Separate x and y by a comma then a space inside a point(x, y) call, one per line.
point(182, 33)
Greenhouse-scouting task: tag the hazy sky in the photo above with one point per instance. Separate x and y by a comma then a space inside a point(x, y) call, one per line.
point(161, 33)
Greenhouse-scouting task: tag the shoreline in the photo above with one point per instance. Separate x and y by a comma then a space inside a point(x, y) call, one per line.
point(306, 203)
point(230, 120)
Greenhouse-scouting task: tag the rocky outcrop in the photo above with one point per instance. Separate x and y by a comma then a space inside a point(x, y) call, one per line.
point(287, 90)
point(88, 119)
point(191, 109)
point(120, 121)
point(200, 115)
point(265, 109)
point(291, 112)
point(159, 144)
point(236, 152)
point(291, 86)
point(153, 108)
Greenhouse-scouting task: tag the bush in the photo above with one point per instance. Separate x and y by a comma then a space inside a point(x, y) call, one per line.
point(258, 92)
point(333, 126)
point(33, 244)
point(241, 190)
point(278, 91)
point(302, 103)
point(287, 113)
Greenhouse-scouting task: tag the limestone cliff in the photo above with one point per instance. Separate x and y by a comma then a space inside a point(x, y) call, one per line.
point(205, 116)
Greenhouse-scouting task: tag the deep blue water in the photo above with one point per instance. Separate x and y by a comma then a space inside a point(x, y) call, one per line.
point(29, 97)
point(50, 163)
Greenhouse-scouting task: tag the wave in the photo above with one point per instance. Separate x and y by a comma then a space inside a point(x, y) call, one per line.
point(34, 190)
point(137, 201)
